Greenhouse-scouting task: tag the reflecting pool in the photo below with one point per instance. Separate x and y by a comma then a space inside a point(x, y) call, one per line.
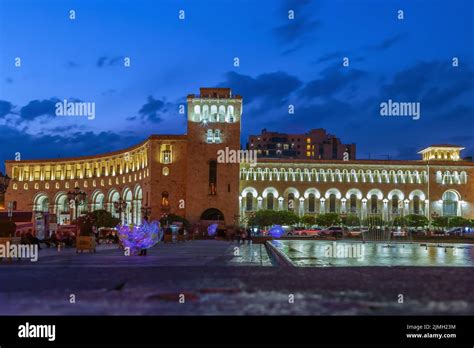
point(312, 253)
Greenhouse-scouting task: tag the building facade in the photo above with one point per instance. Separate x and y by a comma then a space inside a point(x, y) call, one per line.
point(181, 174)
point(316, 144)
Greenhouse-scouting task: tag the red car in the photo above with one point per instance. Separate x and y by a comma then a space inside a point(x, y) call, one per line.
point(306, 232)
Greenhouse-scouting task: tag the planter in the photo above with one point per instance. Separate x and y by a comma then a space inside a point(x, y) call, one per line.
point(85, 243)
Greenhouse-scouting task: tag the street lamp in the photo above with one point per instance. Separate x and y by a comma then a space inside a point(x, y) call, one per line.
point(76, 198)
point(120, 207)
point(146, 211)
point(4, 181)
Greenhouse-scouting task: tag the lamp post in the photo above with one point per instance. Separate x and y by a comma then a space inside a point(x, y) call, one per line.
point(76, 198)
point(120, 207)
point(146, 211)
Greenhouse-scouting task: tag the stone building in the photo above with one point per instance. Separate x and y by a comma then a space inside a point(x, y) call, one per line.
point(180, 174)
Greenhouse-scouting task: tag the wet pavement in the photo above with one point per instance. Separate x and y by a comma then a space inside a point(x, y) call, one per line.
point(212, 277)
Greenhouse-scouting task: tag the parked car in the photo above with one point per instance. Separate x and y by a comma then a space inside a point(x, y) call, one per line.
point(335, 231)
point(456, 231)
point(304, 232)
point(356, 231)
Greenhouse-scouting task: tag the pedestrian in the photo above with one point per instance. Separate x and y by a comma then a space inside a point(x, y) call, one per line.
point(237, 236)
point(243, 235)
point(249, 236)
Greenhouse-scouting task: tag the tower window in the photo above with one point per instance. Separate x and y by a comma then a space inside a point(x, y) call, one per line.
point(213, 178)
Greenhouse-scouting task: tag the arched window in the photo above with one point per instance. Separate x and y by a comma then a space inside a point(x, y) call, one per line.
point(450, 204)
point(291, 202)
point(353, 199)
point(249, 201)
point(311, 203)
point(270, 198)
point(217, 136)
point(416, 205)
point(332, 203)
point(395, 204)
point(212, 177)
point(164, 199)
point(197, 113)
point(210, 136)
point(373, 204)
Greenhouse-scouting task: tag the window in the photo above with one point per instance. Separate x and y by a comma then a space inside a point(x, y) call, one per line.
point(373, 204)
point(213, 178)
point(217, 136)
point(210, 136)
point(270, 198)
point(166, 155)
point(332, 203)
point(353, 203)
point(291, 202)
point(165, 199)
point(395, 204)
point(311, 203)
point(249, 201)
point(416, 205)
point(450, 204)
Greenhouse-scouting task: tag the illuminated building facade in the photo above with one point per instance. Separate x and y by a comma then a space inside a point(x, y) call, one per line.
point(180, 174)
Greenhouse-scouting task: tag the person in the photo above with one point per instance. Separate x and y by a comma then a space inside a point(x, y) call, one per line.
point(243, 235)
point(237, 236)
point(30, 239)
point(249, 236)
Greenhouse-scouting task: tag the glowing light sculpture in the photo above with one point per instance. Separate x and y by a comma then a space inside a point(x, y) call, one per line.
point(137, 238)
point(276, 231)
point(212, 230)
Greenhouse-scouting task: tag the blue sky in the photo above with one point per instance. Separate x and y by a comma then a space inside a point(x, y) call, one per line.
point(282, 62)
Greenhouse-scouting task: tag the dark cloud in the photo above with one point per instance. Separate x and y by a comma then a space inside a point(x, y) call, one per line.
point(433, 84)
point(272, 89)
point(152, 111)
point(109, 61)
point(296, 32)
point(51, 146)
point(333, 80)
point(387, 43)
point(37, 108)
point(6, 108)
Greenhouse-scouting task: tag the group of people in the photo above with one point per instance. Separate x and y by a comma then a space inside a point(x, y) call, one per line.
point(242, 235)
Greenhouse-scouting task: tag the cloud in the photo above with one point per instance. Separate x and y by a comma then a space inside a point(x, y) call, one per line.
point(37, 108)
point(75, 144)
point(6, 108)
point(152, 111)
point(109, 61)
point(334, 80)
point(297, 31)
point(272, 89)
point(387, 43)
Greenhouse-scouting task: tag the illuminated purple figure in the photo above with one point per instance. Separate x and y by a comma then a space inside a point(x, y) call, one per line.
point(276, 231)
point(212, 230)
point(140, 238)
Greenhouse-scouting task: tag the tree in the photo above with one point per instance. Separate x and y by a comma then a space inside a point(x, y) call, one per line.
point(351, 220)
point(308, 220)
point(414, 220)
point(102, 218)
point(441, 221)
point(328, 219)
point(458, 221)
point(263, 218)
point(399, 221)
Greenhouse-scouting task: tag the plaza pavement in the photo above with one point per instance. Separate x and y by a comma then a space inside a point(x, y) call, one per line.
point(214, 280)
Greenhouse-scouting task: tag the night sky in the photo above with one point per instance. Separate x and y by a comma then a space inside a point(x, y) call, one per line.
point(282, 62)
